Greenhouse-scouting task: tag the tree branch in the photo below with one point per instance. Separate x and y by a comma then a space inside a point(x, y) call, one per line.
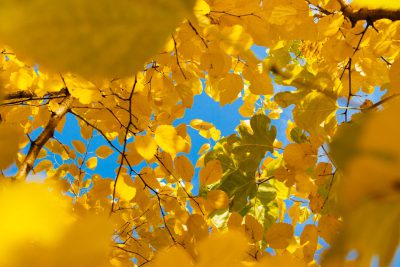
point(42, 139)
point(369, 15)
point(29, 94)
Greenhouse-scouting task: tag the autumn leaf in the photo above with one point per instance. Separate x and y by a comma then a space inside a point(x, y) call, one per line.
point(168, 139)
point(95, 34)
point(211, 173)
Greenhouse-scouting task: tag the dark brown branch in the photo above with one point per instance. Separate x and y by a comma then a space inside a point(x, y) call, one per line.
point(179, 183)
point(33, 96)
point(124, 146)
point(319, 8)
point(177, 57)
point(198, 34)
point(377, 104)
point(369, 15)
point(47, 133)
point(235, 15)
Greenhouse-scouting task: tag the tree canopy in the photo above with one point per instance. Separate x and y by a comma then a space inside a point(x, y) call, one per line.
point(322, 189)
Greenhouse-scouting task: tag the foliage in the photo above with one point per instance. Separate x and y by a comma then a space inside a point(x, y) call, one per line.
point(323, 188)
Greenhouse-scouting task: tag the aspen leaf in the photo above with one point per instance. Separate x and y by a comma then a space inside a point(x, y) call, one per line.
point(253, 228)
point(261, 84)
point(85, 91)
point(300, 156)
point(22, 79)
point(229, 87)
point(285, 260)
point(197, 226)
point(278, 236)
point(376, 4)
point(218, 199)
point(145, 146)
point(102, 39)
point(394, 74)
point(9, 139)
point(217, 250)
point(309, 238)
point(184, 168)
point(47, 214)
point(104, 152)
point(168, 139)
point(91, 163)
point(201, 125)
point(204, 148)
point(79, 146)
point(235, 221)
point(328, 228)
point(211, 173)
point(174, 256)
point(125, 188)
point(313, 110)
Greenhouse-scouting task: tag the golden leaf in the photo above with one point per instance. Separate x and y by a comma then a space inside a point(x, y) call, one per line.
point(98, 39)
point(168, 139)
point(211, 173)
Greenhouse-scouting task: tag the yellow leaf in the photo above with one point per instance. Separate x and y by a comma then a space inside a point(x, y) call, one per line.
point(285, 260)
point(9, 139)
point(229, 87)
point(283, 15)
point(300, 156)
point(91, 163)
point(234, 39)
point(22, 79)
point(261, 84)
point(184, 168)
point(101, 39)
point(85, 91)
point(197, 226)
point(125, 188)
point(328, 228)
point(309, 238)
point(173, 256)
point(253, 228)
point(79, 146)
point(218, 199)
point(394, 75)
point(145, 146)
point(30, 214)
point(314, 109)
point(201, 125)
point(376, 4)
point(222, 249)
point(330, 25)
point(168, 139)
point(204, 148)
point(279, 235)
point(211, 173)
point(104, 152)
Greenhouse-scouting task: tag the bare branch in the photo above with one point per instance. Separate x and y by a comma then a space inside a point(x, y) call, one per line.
point(42, 139)
point(369, 15)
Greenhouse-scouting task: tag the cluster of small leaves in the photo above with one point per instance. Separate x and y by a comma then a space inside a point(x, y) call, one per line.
point(337, 165)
